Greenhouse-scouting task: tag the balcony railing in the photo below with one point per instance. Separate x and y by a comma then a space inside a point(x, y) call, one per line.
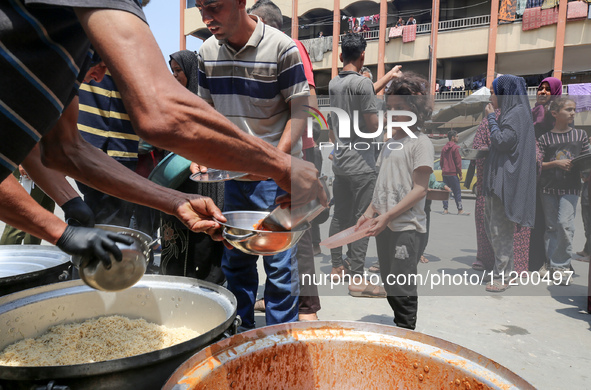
point(533, 91)
point(368, 35)
point(323, 102)
point(451, 95)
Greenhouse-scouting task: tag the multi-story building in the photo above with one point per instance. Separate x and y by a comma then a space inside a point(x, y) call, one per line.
point(471, 39)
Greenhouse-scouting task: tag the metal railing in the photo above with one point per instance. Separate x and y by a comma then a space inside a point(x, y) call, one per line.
point(533, 91)
point(474, 21)
point(323, 102)
point(368, 35)
point(451, 95)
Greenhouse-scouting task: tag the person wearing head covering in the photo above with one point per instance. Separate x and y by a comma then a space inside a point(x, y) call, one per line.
point(509, 183)
point(548, 90)
point(185, 253)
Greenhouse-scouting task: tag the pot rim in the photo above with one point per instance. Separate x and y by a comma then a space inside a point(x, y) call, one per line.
point(215, 355)
point(24, 297)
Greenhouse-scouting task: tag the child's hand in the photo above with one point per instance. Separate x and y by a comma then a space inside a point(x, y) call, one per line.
point(564, 164)
point(363, 219)
point(378, 224)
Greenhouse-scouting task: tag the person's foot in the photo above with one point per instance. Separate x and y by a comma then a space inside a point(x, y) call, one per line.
point(339, 271)
point(259, 305)
point(445, 212)
point(423, 259)
point(462, 212)
point(375, 267)
point(366, 290)
point(308, 317)
point(317, 250)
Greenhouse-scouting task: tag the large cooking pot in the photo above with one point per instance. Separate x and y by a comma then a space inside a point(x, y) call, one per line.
point(166, 300)
point(339, 355)
point(26, 266)
point(239, 231)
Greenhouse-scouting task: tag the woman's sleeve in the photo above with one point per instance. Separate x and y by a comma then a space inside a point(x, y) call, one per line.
point(503, 139)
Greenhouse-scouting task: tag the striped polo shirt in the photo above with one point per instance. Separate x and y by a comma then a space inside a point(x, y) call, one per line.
point(104, 123)
point(561, 146)
point(44, 55)
point(252, 87)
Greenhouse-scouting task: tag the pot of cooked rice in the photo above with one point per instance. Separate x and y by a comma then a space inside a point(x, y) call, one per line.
point(70, 335)
point(327, 355)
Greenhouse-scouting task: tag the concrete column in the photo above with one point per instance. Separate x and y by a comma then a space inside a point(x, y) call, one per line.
point(434, 34)
point(336, 30)
point(183, 39)
point(492, 42)
point(560, 33)
point(295, 22)
point(382, 39)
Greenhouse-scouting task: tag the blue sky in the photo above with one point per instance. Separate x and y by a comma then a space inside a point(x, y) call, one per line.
point(163, 17)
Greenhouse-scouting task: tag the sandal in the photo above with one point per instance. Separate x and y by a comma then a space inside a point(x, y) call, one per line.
point(423, 260)
point(478, 266)
point(367, 291)
point(496, 286)
point(375, 268)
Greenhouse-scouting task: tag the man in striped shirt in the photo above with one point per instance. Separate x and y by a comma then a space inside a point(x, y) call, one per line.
point(44, 55)
point(251, 73)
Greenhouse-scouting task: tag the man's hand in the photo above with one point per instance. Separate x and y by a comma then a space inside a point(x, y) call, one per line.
point(197, 213)
point(196, 168)
point(303, 185)
point(77, 213)
point(92, 244)
point(395, 72)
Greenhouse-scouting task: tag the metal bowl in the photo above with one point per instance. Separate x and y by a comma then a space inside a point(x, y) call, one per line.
point(583, 162)
point(289, 218)
point(122, 274)
point(240, 231)
point(27, 266)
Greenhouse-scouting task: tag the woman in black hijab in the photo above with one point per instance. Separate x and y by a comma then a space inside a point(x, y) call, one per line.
point(185, 253)
point(509, 173)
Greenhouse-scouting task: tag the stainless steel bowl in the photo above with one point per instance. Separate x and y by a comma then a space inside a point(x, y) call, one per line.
point(240, 231)
point(289, 218)
point(122, 274)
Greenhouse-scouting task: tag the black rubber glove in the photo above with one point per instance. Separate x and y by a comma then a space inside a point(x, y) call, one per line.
point(77, 213)
point(92, 244)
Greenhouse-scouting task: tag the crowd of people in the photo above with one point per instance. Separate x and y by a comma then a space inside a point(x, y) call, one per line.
point(235, 105)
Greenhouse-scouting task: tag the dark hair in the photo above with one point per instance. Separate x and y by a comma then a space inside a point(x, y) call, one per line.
point(352, 46)
point(365, 69)
point(558, 103)
point(451, 134)
point(269, 12)
point(415, 85)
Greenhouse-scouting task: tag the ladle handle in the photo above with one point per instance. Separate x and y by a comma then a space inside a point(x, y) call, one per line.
point(237, 238)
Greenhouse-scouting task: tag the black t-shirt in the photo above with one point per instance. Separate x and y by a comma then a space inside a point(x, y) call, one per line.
point(44, 55)
point(561, 146)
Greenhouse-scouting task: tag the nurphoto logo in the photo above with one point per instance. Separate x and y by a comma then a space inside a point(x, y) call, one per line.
point(342, 125)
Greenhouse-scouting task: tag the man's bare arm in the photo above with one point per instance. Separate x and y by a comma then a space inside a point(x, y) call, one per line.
point(51, 182)
point(64, 149)
point(18, 209)
point(381, 83)
point(166, 114)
